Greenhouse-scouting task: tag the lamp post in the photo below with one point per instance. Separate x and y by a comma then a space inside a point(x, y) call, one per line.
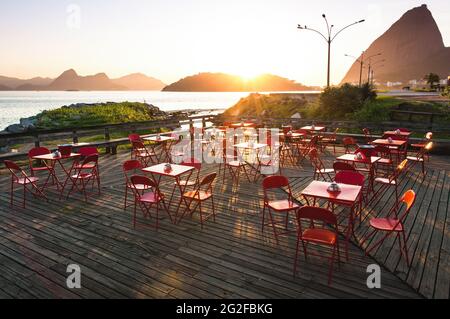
point(371, 66)
point(329, 39)
point(361, 62)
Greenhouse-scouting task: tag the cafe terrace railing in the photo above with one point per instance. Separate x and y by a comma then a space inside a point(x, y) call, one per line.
point(348, 128)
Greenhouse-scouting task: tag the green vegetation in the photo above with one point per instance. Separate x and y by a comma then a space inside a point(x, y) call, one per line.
point(273, 105)
point(341, 102)
point(97, 114)
point(432, 78)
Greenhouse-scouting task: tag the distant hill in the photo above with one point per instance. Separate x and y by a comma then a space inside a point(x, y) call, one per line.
point(70, 80)
point(140, 82)
point(13, 83)
point(221, 82)
point(411, 48)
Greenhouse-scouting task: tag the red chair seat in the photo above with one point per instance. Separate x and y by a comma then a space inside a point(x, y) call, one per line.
point(418, 145)
point(320, 236)
point(235, 163)
point(140, 187)
point(283, 205)
point(201, 195)
point(414, 158)
point(85, 166)
point(386, 224)
point(26, 181)
point(40, 168)
point(82, 176)
point(325, 171)
point(150, 197)
point(384, 180)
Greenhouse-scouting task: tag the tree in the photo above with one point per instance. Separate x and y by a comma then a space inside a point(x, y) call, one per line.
point(432, 78)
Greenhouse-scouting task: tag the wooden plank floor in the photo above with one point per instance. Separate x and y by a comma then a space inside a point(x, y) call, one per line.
point(230, 258)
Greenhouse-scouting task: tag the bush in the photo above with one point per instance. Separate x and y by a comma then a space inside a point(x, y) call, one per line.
point(342, 102)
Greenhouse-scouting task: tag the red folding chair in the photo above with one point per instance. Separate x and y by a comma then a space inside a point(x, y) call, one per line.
point(367, 136)
point(319, 168)
point(50, 168)
point(142, 154)
point(420, 156)
point(85, 152)
point(147, 198)
point(390, 181)
point(134, 138)
point(318, 219)
point(352, 178)
point(329, 140)
point(18, 176)
point(86, 173)
point(203, 193)
point(279, 206)
point(424, 142)
point(131, 166)
point(343, 166)
point(234, 163)
point(349, 143)
point(392, 224)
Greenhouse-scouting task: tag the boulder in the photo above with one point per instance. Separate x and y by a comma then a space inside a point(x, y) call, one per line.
point(15, 128)
point(28, 123)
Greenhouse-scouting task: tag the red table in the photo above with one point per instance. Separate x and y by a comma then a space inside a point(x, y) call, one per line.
point(401, 134)
point(58, 159)
point(349, 196)
point(159, 171)
point(384, 142)
point(162, 140)
point(351, 158)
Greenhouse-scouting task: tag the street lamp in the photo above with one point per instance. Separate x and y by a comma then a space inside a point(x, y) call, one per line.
point(370, 67)
point(328, 39)
point(361, 62)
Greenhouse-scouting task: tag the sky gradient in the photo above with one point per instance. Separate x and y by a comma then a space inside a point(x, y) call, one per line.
point(170, 39)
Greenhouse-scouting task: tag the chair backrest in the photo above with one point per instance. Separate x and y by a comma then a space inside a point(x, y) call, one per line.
point(429, 136)
point(134, 137)
point(349, 178)
point(316, 214)
point(131, 165)
point(399, 169)
point(404, 130)
point(383, 151)
point(287, 129)
point(37, 151)
point(143, 180)
point(91, 159)
point(13, 167)
point(409, 199)
point(343, 166)
point(192, 162)
point(208, 180)
point(87, 151)
point(348, 141)
point(137, 145)
point(276, 181)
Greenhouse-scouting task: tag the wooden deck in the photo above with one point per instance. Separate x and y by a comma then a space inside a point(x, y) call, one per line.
point(230, 258)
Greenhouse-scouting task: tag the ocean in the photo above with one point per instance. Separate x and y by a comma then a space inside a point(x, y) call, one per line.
point(15, 105)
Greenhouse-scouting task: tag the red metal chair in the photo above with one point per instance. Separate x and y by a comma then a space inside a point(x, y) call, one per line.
point(49, 168)
point(386, 157)
point(367, 135)
point(234, 163)
point(286, 205)
point(329, 140)
point(317, 235)
point(142, 154)
point(319, 168)
point(146, 199)
point(392, 224)
point(18, 176)
point(83, 176)
point(85, 152)
point(203, 193)
point(134, 138)
point(420, 156)
point(391, 181)
point(349, 142)
point(131, 166)
point(343, 166)
point(424, 142)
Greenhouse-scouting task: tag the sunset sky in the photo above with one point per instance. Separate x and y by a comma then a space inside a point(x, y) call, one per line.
point(170, 39)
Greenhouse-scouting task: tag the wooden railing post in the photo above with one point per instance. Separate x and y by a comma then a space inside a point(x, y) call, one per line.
point(37, 142)
point(74, 137)
point(107, 138)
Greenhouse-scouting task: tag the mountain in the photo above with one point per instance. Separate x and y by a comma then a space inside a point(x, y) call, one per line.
point(411, 48)
point(221, 82)
point(70, 80)
point(140, 82)
point(13, 83)
point(4, 88)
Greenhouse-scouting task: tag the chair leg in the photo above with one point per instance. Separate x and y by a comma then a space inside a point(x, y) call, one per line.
point(296, 255)
point(125, 201)
point(263, 218)
point(405, 247)
point(330, 272)
point(12, 194)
